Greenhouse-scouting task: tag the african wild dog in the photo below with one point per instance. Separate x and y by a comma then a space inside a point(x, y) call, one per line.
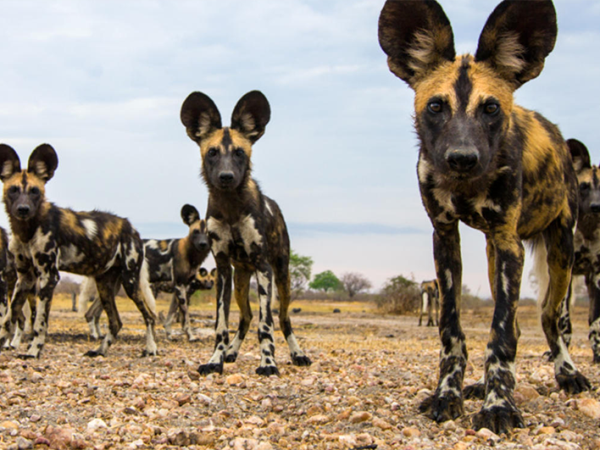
point(246, 228)
point(587, 245)
point(497, 167)
point(430, 299)
point(47, 239)
point(175, 261)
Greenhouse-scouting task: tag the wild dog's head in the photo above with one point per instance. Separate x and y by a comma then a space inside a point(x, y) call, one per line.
point(24, 190)
point(198, 234)
point(225, 152)
point(463, 104)
point(588, 177)
point(206, 279)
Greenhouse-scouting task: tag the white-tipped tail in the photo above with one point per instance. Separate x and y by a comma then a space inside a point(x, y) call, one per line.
point(145, 287)
point(87, 292)
point(539, 272)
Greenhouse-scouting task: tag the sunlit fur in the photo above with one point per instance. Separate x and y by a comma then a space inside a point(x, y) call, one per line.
point(246, 228)
point(46, 239)
point(499, 168)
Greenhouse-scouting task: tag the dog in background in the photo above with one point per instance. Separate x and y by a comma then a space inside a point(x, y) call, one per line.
point(46, 239)
point(499, 168)
point(246, 228)
point(430, 299)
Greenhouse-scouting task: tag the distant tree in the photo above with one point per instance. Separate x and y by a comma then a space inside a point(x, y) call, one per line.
point(300, 271)
point(325, 281)
point(354, 283)
point(399, 295)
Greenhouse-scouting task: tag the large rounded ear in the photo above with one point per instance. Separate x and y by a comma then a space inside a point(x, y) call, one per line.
point(189, 214)
point(9, 162)
point(251, 115)
point(579, 154)
point(213, 273)
point(200, 116)
point(417, 37)
point(43, 162)
point(203, 272)
point(517, 37)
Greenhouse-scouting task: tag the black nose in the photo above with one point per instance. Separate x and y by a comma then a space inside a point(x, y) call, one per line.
point(462, 160)
point(203, 245)
point(23, 210)
point(595, 207)
point(226, 177)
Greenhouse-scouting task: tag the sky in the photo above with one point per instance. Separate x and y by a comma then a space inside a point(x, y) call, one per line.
point(103, 83)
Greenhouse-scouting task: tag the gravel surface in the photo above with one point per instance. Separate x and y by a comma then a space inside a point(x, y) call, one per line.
point(368, 376)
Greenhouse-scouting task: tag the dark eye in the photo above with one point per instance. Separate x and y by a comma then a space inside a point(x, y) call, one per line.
point(13, 189)
point(34, 191)
point(491, 109)
point(584, 187)
point(212, 152)
point(434, 107)
point(196, 232)
point(238, 152)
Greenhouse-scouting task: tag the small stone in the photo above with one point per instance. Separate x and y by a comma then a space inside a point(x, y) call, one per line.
point(570, 436)
point(347, 440)
point(96, 424)
point(244, 444)
point(319, 419)
point(449, 425)
point(411, 432)
point(24, 444)
point(590, 407)
point(255, 420)
point(59, 437)
point(381, 424)
point(487, 434)
point(360, 416)
point(205, 399)
point(183, 398)
point(558, 422)
point(35, 418)
point(234, 379)
point(7, 424)
point(547, 430)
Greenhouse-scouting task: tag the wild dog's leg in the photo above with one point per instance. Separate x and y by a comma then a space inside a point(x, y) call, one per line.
point(173, 310)
point(477, 390)
point(108, 284)
point(559, 242)
point(282, 280)
point(499, 412)
point(24, 287)
point(436, 299)
point(47, 268)
point(446, 403)
point(564, 322)
point(430, 311)
point(241, 286)
point(25, 322)
point(141, 295)
point(422, 309)
point(266, 328)
point(594, 314)
point(4, 295)
point(92, 317)
point(184, 307)
point(215, 364)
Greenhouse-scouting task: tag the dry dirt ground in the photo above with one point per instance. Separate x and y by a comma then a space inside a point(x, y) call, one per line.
point(368, 376)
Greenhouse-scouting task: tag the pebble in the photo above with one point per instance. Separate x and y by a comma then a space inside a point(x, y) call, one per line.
point(547, 430)
point(234, 379)
point(319, 419)
point(590, 407)
point(411, 432)
point(360, 416)
point(382, 424)
point(24, 444)
point(487, 434)
point(96, 424)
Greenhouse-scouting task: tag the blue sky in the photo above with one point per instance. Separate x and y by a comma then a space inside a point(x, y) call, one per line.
point(103, 83)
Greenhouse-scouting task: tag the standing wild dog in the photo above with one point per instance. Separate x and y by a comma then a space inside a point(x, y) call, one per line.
point(587, 245)
point(47, 239)
point(497, 167)
point(430, 299)
point(175, 261)
point(246, 228)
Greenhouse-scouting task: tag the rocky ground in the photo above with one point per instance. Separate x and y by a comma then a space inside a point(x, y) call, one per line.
point(369, 374)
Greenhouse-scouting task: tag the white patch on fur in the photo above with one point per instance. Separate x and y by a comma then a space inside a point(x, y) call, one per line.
point(422, 52)
point(152, 243)
point(87, 291)
point(69, 256)
point(249, 232)
point(539, 272)
point(423, 169)
point(424, 302)
point(91, 229)
point(145, 288)
point(448, 280)
point(268, 207)
point(204, 125)
point(223, 232)
point(509, 53)
point(484, 202)
point(7, 169)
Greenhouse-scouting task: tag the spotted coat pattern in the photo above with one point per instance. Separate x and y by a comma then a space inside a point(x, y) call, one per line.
point(497, 167)
point(246, 228)
point(46, 239)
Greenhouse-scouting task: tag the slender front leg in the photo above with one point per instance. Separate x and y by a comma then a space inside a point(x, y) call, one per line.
point(447, 403)
point(241, 286)
point(215, 364)
point(173, 309)
point(184, 306)
point(564, 322)
point(47, 280)
point(266, 328)
point(24, 287)
point(594, 314)
point(499, 412)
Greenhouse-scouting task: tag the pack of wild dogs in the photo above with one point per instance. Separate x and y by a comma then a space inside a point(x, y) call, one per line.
point(483, 160)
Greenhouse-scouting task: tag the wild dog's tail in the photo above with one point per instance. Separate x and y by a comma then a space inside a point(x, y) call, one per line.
point(87, 292)
point(145, 287)
point(539, 272)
